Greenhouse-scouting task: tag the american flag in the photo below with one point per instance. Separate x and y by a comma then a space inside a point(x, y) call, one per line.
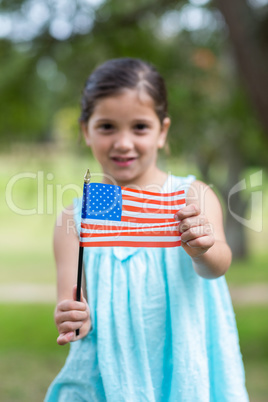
point(121, 216)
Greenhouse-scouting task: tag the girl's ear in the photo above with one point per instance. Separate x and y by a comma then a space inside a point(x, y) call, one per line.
point(85, 131)
point(163, 133)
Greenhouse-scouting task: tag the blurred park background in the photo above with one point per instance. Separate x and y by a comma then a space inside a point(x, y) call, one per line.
point(214, 57)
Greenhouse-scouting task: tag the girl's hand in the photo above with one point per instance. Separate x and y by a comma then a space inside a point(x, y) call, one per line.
point(196, 232)
point(71, 315)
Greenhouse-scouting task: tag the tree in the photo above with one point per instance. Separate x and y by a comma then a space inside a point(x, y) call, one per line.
point(249, 39)
point(208, 104)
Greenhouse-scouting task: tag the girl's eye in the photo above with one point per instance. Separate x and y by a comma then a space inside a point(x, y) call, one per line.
point(106, 127)
point(141, 126)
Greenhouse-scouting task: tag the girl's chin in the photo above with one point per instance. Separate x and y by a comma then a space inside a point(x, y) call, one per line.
point(124, 180)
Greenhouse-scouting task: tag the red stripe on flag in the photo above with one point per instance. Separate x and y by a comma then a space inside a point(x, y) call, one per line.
point(130, 244)
point(148, 233)
point(97, 226)
point(180, 192)
point(145, 220)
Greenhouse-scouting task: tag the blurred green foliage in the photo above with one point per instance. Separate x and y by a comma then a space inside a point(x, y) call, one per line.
point(51, 47)
point(215, 134)
point(45, 73)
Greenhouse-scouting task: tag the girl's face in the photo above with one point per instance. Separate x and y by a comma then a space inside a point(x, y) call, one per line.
point(125, 133)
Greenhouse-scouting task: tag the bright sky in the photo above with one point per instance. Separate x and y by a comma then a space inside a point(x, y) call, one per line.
point(24, 24)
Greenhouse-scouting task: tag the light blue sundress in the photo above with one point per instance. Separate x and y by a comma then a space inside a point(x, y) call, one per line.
point(159, 332)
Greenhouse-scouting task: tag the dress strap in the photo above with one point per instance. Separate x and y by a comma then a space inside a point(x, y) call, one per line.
point(176, 183)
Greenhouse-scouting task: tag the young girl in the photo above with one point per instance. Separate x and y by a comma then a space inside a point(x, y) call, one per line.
point(156, 324)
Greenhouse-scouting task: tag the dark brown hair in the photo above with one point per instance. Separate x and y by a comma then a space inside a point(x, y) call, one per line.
point(117, 74)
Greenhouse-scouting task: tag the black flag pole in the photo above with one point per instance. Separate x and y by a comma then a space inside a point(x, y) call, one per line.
point(80, 256)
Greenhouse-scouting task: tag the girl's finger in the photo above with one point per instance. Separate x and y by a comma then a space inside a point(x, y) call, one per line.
point(190, 210)
point(67, 305)
point(69, 326)
point(65, 338)
point(72, 315)
point(195, 232)
point(203, 242)
point(187, 223)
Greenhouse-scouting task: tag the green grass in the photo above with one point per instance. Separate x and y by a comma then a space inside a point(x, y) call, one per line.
point(252, 325)
point(30, 357)
point(25, 376)
point(253, 330)
point(254, 269)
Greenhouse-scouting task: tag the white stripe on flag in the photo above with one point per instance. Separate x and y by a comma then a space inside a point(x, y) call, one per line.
point(148, 206)
point(147, 215)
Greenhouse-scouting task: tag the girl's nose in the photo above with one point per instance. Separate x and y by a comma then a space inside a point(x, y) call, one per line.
point(123, 142)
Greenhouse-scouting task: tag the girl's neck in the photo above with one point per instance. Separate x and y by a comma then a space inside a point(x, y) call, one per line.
point(150, 182)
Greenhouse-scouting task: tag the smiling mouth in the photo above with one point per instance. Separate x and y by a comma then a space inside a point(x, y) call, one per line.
point(121, 161)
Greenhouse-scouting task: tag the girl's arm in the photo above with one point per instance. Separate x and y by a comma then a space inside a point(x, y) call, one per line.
point(69, 313)
point(203, 238)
